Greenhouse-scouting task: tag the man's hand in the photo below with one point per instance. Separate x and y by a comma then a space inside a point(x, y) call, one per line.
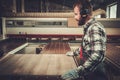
point(70, 53)
point(70, 75)
point(73, 53)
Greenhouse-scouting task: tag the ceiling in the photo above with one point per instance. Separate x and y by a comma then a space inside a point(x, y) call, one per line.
point(96, 3)
point(50, 5)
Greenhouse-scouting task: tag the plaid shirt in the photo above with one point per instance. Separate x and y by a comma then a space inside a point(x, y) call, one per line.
point(93, 45)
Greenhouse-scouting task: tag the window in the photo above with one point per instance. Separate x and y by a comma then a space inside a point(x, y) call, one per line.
point(112, 10)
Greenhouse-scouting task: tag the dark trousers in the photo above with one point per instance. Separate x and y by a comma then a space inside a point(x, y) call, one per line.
point(98, 74)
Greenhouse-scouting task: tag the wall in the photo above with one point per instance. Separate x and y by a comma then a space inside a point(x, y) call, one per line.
point(44, 30)
point(72, 22)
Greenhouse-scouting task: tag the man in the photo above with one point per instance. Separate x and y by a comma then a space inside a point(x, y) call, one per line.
point(93, 45)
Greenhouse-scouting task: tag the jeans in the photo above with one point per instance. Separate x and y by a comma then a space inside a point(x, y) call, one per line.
point(98, 74)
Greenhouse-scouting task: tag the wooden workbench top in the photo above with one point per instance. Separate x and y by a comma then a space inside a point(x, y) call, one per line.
point(36, 64)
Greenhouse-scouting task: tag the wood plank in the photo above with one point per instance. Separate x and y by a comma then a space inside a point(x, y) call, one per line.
point(33, 64)
point(113, 54)
point(56, 48)
point(8, 45)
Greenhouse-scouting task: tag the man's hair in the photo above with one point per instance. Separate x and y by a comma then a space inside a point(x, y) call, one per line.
point(84, 6)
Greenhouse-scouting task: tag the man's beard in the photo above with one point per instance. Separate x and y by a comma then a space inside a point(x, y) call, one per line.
point(82, 21)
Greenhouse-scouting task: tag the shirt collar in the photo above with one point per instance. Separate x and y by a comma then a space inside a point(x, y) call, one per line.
point(89, 22)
